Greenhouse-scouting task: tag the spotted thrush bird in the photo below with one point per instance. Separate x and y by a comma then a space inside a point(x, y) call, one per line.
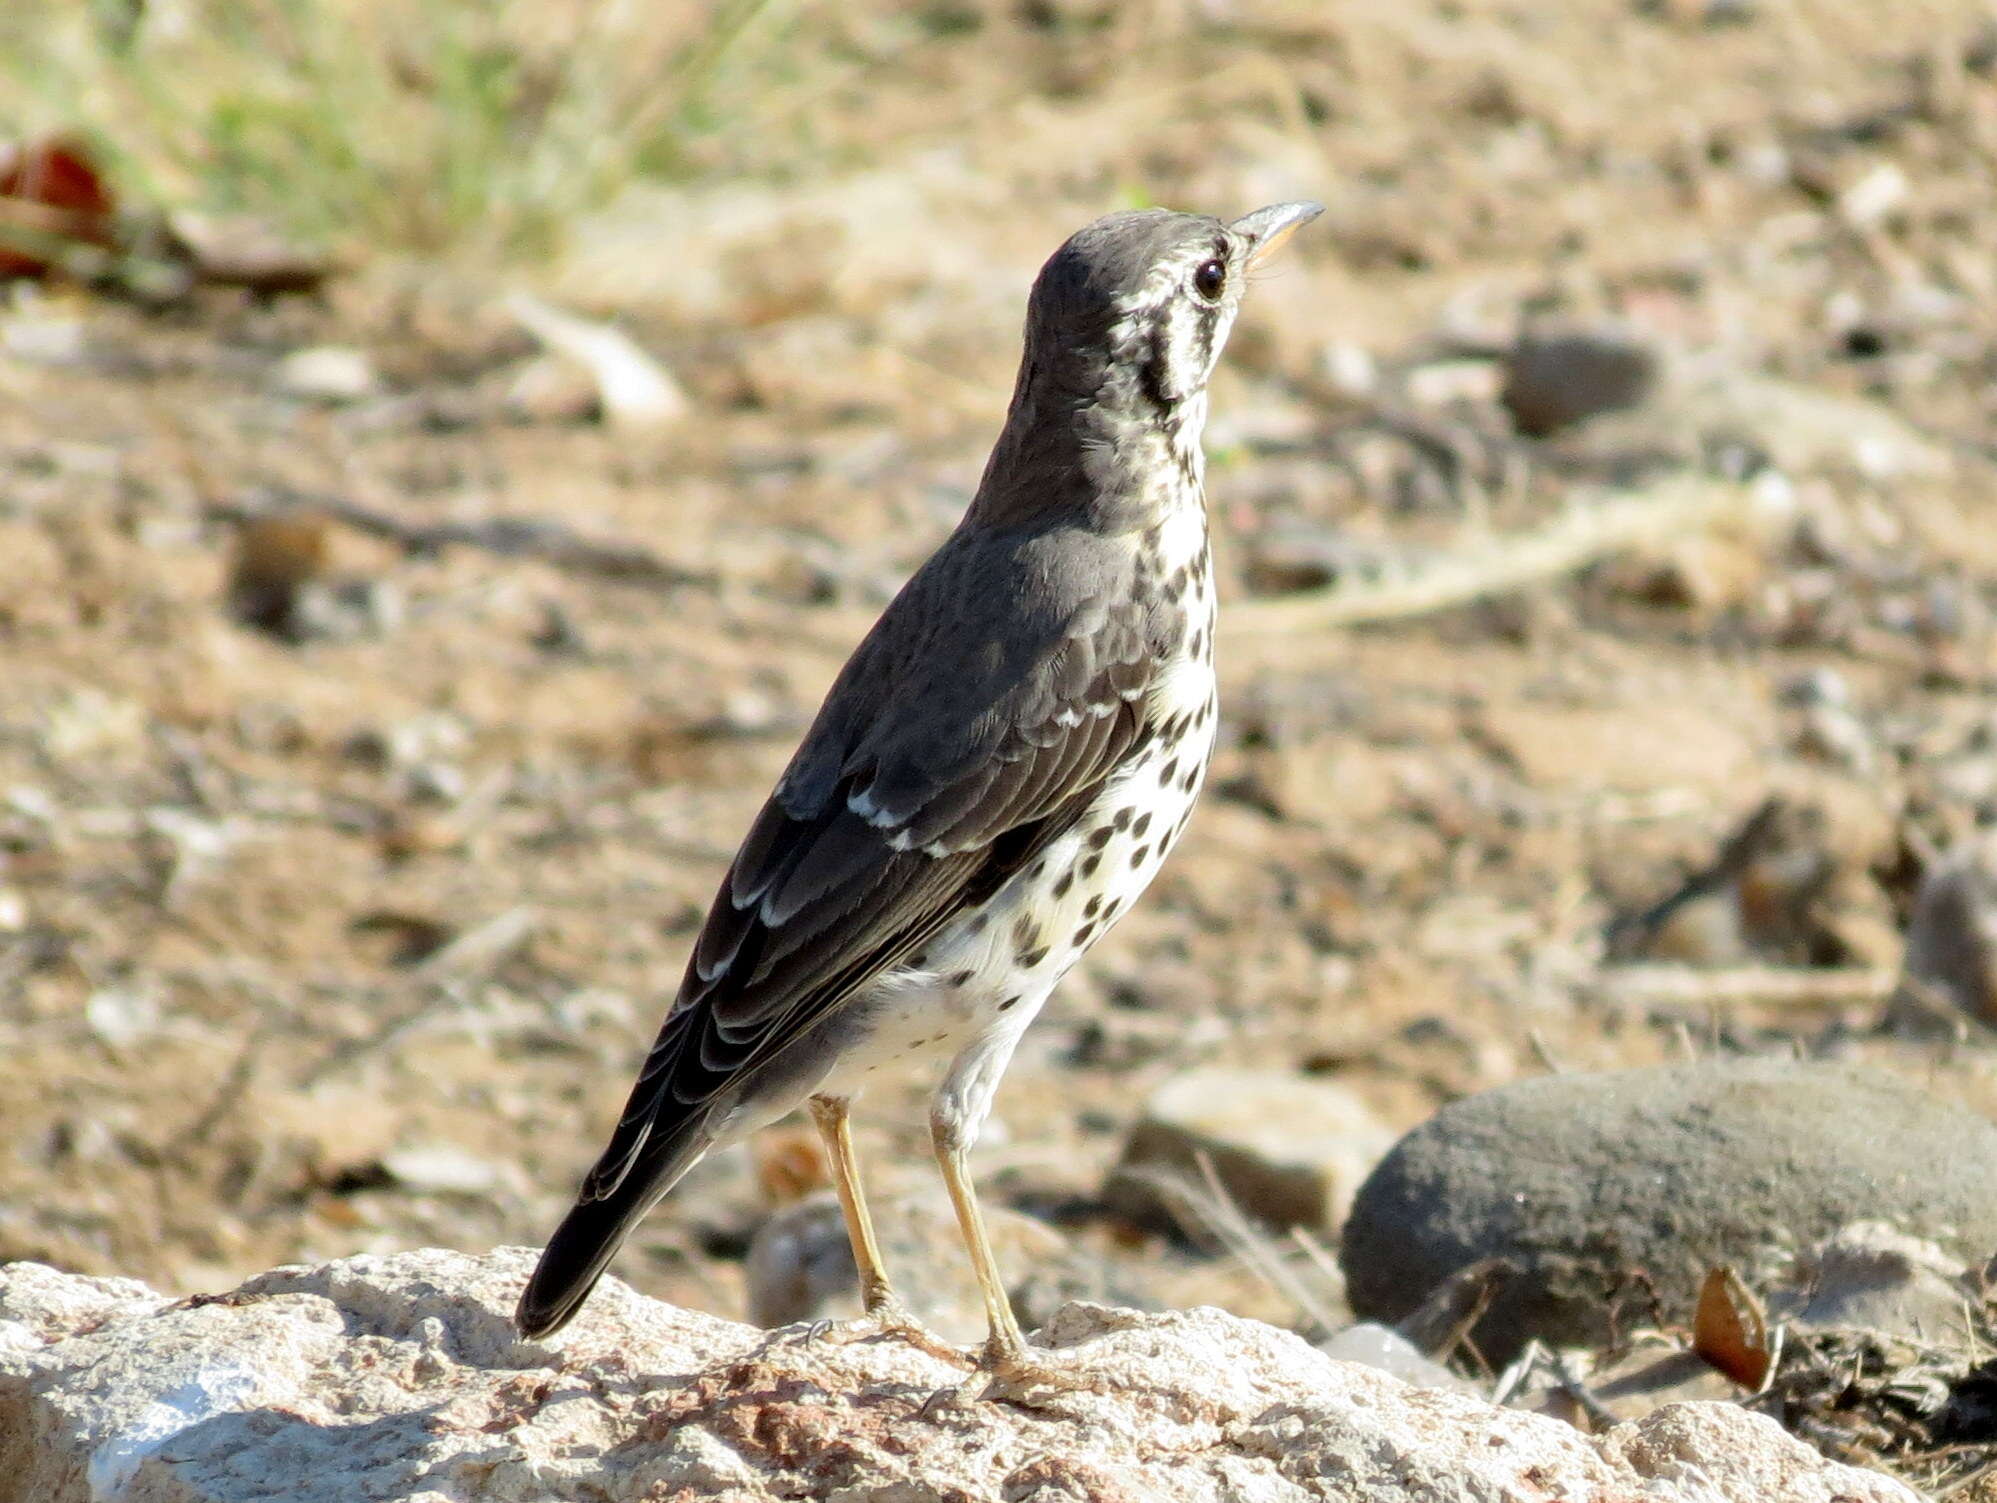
point(995, 776)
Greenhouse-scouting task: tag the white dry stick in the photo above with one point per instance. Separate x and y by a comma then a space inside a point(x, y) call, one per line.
point(635, 390)
point(1583, 535)
point(1743, 986)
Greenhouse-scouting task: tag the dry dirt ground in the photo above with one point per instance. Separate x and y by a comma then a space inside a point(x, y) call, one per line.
point(344, 932)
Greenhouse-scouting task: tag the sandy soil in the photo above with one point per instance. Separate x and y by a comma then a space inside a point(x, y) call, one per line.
point(283, 920)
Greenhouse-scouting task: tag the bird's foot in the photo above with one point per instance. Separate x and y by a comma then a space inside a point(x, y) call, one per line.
point(888, 1321)
point(1018, 1374)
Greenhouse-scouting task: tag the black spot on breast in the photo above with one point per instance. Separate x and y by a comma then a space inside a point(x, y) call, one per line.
point(960, 978)
point(1033, 958)
point(1143, 823)
point(1137, 856)
point(1089, 866)
point(1169, 771)
point(1008, 1004)
point(978, 922)
point(1094, 906)
point(1066, 881)
point(1099, 837)
point(1083, 935)
point(1025, 932)
point(919, 959)
point(1124, 816)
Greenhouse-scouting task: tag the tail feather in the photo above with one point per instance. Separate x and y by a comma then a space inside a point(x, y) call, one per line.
point(594, 1229)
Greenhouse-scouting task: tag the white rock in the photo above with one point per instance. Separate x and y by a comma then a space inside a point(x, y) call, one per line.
point(440, 1168)
point(400, 1377)
point(326, 373)
point(1876, 196)
point(1349, 368)
point(1441, 382)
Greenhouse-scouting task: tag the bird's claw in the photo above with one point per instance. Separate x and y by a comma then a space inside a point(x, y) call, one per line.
point(1015, 1374)
point(887, 1322)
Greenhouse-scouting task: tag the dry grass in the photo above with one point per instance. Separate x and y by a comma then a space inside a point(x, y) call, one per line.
point(420, 126)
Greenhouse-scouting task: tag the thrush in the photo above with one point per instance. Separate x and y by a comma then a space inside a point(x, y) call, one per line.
point(993, 779)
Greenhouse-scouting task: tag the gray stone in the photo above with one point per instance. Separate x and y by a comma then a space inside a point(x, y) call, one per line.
point(1373, 1345)
point(1614, 1193)
point(1952, 931)
point(800, 1264)
point(1555, 378)
point(400, 1377)
point(1288, 1150)
point(1869, 1277)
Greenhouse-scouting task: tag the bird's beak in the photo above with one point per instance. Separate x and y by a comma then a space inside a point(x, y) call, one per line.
point(1266, 229)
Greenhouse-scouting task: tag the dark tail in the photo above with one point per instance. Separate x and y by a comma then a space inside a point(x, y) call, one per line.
point(595, 1228)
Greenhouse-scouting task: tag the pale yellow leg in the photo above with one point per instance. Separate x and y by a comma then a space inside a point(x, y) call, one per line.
point(1006, 1357)
point(1006, 1344)
point(885, 1315)
point(832, 1114)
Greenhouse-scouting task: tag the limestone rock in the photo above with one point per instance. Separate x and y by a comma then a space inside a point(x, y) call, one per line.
point(399, 1377)
point(1608, 1191)
point(1288, 1150)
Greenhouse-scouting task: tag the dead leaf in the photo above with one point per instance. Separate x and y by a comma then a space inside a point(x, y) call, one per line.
point(1730, 1331)
point(50, 192)
point(789, 1165)
point(273, 557)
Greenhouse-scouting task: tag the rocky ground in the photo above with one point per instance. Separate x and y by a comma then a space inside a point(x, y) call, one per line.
point(381, 708)
point(402, 1377)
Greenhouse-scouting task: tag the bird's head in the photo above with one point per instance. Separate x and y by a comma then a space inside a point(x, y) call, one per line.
point(1123, 329)
point(1131, 313)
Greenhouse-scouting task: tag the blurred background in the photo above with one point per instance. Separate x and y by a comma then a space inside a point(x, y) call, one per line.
point(446, 449)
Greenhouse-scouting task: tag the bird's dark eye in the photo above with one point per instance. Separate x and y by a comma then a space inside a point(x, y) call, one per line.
point(1210, 278)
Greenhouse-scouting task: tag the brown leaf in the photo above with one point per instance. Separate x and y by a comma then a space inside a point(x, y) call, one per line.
point(1730, 1331)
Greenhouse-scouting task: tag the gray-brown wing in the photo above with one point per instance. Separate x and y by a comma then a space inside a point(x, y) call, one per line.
point(950, 751)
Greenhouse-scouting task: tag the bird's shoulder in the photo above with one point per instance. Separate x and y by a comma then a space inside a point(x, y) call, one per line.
point(1004, 645)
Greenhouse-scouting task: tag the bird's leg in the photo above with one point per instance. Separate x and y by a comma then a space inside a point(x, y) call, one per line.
point(884, 1312)
point(832, 1115)
point(1005, 1343)
point(1006, 1357)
